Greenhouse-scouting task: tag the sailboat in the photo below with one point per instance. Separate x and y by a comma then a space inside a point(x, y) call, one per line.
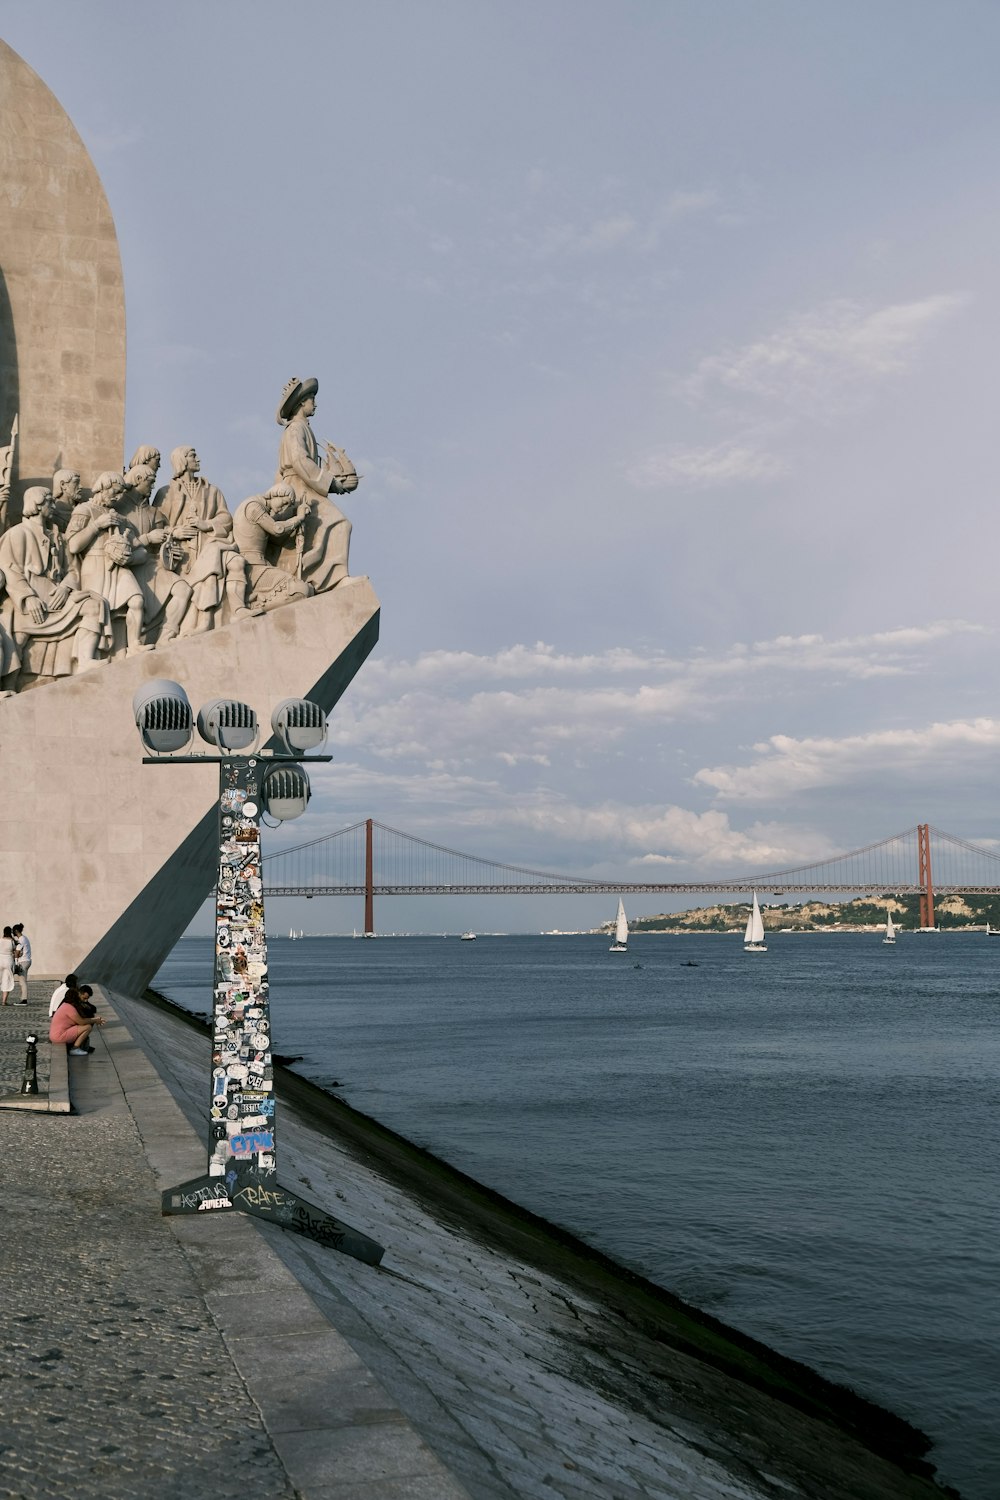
point(753, 938)
point(620, 944)
point(890, 931)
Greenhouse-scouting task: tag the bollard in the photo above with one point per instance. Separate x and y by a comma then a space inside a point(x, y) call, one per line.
point(29, 1083)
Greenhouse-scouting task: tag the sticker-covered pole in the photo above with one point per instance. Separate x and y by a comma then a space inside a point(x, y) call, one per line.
point(242, 1171)
point(241, 1108)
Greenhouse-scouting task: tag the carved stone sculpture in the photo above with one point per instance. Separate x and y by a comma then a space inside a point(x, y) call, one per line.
point(8, 454)
point(148, 456)
point(201, 530)
point(55, 625)
point(107, 550)
point(151, 570)
point(166, 595)
point(262, 527)
point(327, 530)
point(10, 657)
point(66, 495)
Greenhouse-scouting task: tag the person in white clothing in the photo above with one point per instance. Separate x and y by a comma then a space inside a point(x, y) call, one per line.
point(22, 959)
point(6, 964)
point(59, 993)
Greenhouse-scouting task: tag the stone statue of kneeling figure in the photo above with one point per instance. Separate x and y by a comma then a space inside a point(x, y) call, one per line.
point(262, 525)
point(56, 626)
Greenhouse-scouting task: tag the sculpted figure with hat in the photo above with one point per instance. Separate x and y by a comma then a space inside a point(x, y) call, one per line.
point(327, 531)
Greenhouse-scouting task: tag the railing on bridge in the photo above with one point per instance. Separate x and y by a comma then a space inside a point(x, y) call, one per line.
point(371, 859)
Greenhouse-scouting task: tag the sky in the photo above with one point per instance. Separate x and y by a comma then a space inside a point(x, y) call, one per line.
point(665, 338)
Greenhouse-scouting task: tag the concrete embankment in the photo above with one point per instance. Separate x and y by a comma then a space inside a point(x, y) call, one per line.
point(489, 1355)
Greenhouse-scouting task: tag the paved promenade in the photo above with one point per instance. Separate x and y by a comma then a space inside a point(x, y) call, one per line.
point(16, 1021)
point(214, 1356)
point(163, 1358)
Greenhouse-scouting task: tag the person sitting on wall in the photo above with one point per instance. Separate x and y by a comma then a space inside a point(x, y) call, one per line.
point(74, 1020)
point(59, 993)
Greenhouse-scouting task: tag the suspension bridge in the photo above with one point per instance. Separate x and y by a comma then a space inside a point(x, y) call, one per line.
point(370, 859)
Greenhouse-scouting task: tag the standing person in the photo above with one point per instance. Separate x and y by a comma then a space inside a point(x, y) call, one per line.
point(22, 958)
point(59, 993)
point(7, 949)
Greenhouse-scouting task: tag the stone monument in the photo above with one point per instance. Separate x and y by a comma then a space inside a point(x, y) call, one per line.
point(104, 586)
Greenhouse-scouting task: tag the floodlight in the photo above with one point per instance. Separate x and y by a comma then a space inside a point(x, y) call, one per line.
point(285, 792)
point(163, 715)
point(228, 724)
point(299, 725)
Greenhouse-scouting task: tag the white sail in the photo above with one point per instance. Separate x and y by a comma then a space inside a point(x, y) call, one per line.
point(753, 938)
point(620, 944)
point(890, 931)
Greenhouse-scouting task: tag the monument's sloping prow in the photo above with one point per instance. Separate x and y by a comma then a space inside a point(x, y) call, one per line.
point(62, 315)
point(107, 860)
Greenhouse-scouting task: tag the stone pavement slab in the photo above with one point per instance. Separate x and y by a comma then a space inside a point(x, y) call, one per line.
point(131, 1361)
point(16, 1022)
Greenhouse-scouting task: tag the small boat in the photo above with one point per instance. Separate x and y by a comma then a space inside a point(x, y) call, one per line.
point(753, 938)
point(992, 931)
point(620, 944)
point(890, 931)
point(468, 937)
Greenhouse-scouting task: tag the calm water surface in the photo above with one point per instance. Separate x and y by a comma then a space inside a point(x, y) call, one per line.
point(803, 1142)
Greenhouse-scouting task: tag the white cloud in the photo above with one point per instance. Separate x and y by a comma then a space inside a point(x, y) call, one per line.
point(731, 462)
point(787, 765)
point(887, 651)
point(529, 705)
point(384, 474)
point(681, 205)
point(659, 835)
point(819, 358)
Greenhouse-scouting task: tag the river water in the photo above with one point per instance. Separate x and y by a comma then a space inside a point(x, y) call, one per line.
point(803, 1141)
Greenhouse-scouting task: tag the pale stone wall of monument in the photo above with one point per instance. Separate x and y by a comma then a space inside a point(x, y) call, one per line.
point(106, 860)
point(62, 302)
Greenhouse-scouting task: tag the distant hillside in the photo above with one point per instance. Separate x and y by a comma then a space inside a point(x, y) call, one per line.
point(824, 916)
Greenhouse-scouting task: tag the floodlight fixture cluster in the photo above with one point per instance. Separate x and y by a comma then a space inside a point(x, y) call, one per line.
point(166, 724)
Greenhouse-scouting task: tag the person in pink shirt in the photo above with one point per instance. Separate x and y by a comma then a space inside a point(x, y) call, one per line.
point(74, 1020)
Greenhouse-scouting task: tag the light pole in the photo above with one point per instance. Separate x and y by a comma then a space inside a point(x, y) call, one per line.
point(242, 1170)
